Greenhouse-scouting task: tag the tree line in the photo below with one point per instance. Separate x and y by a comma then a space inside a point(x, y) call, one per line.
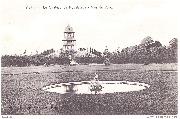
point(148, 51)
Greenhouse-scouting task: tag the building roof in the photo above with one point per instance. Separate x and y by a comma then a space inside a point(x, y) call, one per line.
point(69, 29)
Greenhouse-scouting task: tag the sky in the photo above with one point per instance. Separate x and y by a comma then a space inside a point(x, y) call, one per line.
point(125, 25)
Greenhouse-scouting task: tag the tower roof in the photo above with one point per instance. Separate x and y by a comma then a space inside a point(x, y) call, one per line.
point(68, 29)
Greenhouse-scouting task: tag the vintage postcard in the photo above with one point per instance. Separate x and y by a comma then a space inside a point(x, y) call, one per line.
point(89, 58)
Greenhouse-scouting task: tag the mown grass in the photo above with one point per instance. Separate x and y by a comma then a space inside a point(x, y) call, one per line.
point(22, 94)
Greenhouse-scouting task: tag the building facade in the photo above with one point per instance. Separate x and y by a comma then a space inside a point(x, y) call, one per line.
point(69, 42)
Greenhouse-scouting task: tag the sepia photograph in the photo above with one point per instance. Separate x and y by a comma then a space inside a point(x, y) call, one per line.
point(89, 57)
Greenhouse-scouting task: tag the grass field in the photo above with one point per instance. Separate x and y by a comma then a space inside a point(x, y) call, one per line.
point(22, 94)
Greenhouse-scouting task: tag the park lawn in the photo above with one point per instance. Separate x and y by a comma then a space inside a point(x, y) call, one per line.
point(22, 94)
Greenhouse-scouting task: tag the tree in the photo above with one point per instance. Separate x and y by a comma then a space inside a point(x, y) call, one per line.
point(147, 41)
point(173, 49)
point(173, 43)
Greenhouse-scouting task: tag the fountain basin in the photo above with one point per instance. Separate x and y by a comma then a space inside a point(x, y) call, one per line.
point(83, 87)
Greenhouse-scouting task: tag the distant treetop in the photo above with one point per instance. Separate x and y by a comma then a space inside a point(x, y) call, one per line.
point(147, 40)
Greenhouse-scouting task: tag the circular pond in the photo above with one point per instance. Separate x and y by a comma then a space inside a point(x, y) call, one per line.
point(85, 87)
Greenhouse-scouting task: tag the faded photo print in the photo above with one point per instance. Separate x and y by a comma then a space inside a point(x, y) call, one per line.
point(89, 57)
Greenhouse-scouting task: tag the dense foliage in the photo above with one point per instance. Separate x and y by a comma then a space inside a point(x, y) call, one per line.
point(148, 51)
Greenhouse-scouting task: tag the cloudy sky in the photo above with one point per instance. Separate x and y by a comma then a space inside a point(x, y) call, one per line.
point(125, 25)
